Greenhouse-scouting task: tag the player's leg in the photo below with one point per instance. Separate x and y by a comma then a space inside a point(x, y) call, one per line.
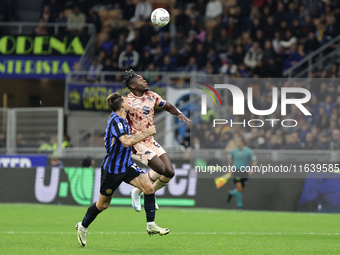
point(238, 194)
point(143, 183)
point(238, 189)
point(168, 174)
point(91, 214)
point(109, 183)
point(144, 154)
point(148, 157)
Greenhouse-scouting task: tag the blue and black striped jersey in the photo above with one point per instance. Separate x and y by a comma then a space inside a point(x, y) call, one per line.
point(118, 158)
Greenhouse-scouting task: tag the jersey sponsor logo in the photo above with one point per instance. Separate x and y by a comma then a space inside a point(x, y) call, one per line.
point(156, 144)
point(149, 98)
point(147, 153)
point(146, 110)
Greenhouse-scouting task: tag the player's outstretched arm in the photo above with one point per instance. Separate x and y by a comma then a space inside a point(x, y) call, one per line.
point(128, 141)
point(175, 111)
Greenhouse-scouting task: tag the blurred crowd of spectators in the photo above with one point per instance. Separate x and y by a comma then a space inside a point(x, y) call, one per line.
point(320, 131)
point(240, 38)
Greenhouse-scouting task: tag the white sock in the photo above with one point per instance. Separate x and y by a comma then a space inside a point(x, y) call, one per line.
point(149, 224)
point(138, 191)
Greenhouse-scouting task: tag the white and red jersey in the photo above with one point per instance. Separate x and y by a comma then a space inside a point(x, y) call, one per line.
point(141, 114)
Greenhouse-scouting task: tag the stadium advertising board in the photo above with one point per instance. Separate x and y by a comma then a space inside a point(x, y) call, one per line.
point(91, 97)
point(24, 161)
point(80, 186)
point(36, 57)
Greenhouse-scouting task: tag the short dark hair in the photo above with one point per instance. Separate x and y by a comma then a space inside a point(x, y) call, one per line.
point(115, 101)
point(130, 75)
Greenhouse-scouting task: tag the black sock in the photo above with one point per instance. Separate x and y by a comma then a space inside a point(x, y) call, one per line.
point(90, 215)
point(149, 206)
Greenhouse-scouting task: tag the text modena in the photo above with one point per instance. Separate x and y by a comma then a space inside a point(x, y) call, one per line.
point(40, 45)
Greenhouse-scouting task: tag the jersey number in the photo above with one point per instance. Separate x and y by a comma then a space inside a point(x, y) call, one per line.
point(146, 110)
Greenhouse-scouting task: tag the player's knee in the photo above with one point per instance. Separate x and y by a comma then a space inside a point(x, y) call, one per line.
point(149, 190)
point(169, 173)
point(103, 206)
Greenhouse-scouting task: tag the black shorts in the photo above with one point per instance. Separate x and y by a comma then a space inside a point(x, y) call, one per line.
point(110, 182)
point(243, 181)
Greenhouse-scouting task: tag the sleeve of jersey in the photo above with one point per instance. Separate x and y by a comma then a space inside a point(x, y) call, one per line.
point(159, 100)
point(118, 128)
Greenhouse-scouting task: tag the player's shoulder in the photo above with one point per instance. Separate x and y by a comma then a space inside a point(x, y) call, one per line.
point(151, 94)
point(129, 96)
point(115, 118)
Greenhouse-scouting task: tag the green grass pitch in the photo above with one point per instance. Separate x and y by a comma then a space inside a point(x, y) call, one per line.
point(50, 229)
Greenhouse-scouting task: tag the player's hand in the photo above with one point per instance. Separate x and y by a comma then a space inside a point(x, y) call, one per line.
point(182, 117)
point(152, 130)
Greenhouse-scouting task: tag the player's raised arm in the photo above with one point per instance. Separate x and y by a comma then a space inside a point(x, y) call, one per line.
point(175, 111)
point(129, 140)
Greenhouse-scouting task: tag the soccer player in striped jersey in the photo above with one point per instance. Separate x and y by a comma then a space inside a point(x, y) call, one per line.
point(117, 167)
point(241, 157)
point(141, 103)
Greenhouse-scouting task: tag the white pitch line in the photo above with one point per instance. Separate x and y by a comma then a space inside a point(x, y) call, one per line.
point(175, 233)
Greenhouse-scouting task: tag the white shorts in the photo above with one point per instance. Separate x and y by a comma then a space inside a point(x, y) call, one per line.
point(145, 151)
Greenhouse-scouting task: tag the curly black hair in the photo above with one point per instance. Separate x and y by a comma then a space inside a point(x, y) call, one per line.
point(130, 75)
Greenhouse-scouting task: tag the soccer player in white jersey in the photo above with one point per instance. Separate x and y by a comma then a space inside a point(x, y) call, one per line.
point(141, 103)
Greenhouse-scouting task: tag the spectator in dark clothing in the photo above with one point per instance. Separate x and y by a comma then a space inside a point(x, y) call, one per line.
point(145, 59)
point(191, 66)
point(280, 13)
point(94, 18)
point(292, 57)
point(307, 27)
point(335, 140)
point(128, 9)
point(291, 14)
point(233, 30)
point(158, 58)
point(269, 28)
point(311, 44)
point(271, 69)
point(323, 143)
point(179, 40)
point(128, 58)
point(201, 56)
point(238, 57)
point(88, 162)
point(292, 142)
point(184, 55)
point(167, 65)
point(55, 8)
point(107, 45)
point(165, 43)
point(323, 119)
point(309, 144)
point(332, 29)
point(296, 29)
point(137, 43)
point(222, 42)
point(268, 52)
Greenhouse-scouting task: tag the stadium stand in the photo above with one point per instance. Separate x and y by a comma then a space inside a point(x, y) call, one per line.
point(258, 38)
